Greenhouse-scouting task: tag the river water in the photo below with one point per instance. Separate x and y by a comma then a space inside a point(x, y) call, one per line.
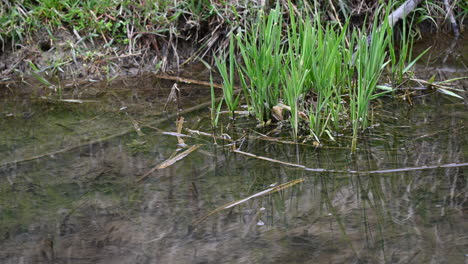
point(70, 188)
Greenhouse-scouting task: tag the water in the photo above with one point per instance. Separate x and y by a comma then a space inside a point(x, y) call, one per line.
point(63, 200)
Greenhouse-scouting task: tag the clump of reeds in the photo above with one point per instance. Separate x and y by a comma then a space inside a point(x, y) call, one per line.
point(325, 75)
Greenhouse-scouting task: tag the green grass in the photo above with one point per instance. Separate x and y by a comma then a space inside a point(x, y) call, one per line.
point(125, 22)
point(112, 22)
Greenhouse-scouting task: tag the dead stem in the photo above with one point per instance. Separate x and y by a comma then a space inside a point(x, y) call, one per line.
point(405, 169)
point(179, 124)
point(169, 161)
point(173, 96)
point(189, 81)
point(201, 133)
point(437, 84)
point(453, 21)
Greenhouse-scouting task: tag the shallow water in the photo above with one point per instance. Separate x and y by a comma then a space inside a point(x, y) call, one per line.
point(63, 200)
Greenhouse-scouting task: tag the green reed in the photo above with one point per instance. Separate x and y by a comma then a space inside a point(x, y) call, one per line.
point(369, 62)
point(326, 60)
point(215, 109)
point(228, 77)
point(294, 76)
point(262, 57)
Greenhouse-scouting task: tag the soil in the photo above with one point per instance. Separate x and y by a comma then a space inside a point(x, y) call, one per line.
point(62, 58)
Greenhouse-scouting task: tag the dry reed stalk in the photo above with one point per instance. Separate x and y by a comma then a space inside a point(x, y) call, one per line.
point(169, 162)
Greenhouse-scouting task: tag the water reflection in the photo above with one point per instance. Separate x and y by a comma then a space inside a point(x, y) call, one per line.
point(83, 205)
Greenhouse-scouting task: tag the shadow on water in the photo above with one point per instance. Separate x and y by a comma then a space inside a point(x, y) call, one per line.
point(83, 205)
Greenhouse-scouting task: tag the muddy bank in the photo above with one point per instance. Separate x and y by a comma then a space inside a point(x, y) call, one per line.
point(57, 60)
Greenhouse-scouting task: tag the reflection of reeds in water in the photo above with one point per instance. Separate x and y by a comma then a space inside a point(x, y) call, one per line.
point(406, 215)
point(271, 190)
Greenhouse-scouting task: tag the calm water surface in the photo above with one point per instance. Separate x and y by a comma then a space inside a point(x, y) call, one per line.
point(63, 200)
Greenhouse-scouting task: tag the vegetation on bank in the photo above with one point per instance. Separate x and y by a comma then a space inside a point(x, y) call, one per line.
point(315, 63)
point(125, 27)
